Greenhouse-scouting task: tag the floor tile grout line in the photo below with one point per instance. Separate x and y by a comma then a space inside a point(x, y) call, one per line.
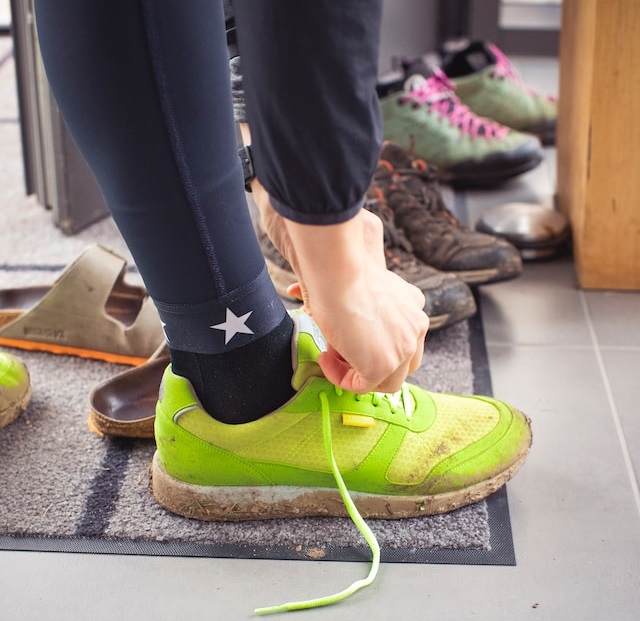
point(563, 347)
point(613, 408)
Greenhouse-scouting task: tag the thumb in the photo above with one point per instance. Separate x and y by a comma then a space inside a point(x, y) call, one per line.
point(295, 291)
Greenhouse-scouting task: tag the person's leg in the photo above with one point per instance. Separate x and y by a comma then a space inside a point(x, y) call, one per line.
point(144, 88)
point(310, 71)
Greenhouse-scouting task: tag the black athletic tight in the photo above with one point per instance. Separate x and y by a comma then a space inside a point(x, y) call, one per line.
point(144, 87)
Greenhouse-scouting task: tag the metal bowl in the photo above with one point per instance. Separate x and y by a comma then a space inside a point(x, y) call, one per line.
point(538, 232)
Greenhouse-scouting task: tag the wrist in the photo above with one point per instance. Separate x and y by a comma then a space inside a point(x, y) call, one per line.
point(330, 257)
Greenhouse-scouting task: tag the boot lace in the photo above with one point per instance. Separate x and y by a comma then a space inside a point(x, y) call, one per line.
point(396, 245)
point(401, 400)
point(504, 69)
point(437, 93)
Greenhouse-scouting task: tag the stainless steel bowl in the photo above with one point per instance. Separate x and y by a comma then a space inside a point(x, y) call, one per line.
point(538, 232)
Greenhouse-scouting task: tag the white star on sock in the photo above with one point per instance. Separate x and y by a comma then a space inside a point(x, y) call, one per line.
point(233, 325)
point(164, 330)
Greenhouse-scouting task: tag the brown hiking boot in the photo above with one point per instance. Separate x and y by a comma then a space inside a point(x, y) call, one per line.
point(412, 192)
point(447, 299)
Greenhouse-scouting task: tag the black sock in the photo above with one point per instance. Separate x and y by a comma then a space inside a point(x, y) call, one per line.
point(243, 384)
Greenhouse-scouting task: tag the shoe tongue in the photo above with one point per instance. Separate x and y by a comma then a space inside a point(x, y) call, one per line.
point(473, 58)
point(307, 344)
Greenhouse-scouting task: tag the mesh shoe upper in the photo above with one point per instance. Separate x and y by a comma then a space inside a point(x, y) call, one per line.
point(490, 85)
point(468, 150)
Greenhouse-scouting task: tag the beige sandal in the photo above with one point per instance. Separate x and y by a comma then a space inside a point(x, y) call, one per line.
point(89, 311)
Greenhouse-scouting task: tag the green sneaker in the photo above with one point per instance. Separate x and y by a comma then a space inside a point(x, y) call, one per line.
point(406, 454)
point(489, 84)
point(15, 388)
point(428, 118)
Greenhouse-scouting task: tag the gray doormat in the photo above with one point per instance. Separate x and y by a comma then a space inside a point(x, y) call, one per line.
point(65, 489)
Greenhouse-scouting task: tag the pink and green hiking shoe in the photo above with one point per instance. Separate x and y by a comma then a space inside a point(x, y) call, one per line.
point(487, 82)
point(427, 117)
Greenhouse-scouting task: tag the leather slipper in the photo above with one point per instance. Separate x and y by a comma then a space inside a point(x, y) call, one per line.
point(89, 311)
point(125, 405)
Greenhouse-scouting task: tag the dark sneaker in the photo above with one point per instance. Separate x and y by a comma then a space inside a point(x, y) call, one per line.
point(411, 190)
point(447, 299)
point(488, 83)
point(468, 150)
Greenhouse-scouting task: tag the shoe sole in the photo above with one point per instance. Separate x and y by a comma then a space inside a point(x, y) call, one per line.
point(545, 131)
point(236, 503)
point(78, 352)
point(491, 275)
point(493, 171)
point(11, 413)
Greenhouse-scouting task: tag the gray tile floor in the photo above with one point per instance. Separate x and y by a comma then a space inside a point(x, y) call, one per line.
point(567, 357)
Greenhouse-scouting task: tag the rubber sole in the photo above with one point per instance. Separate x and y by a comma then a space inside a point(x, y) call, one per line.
point(487, 276)
point(66, 350)
point(8, 415)
point(275, 502)
point(491, 173)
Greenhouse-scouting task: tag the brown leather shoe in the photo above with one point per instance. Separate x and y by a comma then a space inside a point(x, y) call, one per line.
point(411, 190)
point(447, 299)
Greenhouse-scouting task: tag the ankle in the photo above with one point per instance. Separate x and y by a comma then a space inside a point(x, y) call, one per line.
point(243, 384)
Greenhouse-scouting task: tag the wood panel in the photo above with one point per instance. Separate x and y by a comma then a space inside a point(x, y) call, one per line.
point(599, 139)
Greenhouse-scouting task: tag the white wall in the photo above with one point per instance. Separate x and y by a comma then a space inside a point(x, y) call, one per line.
point(408, 29)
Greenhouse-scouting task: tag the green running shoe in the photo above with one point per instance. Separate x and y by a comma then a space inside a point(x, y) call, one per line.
point(488, 83)
point(406, 454)
point(15, 388)
point(427, 118)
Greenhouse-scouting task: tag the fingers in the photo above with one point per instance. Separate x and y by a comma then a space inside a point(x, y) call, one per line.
point(394, 382)
point(339, 372)
point(295, 291)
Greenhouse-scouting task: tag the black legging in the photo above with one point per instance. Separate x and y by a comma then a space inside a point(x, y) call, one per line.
point(144, 87)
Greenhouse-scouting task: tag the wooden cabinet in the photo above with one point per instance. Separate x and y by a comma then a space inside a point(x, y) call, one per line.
point(599, 139)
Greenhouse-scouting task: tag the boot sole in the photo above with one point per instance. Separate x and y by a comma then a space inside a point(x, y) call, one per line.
point(490, 275)
point(493, 170)
point(237, 503)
